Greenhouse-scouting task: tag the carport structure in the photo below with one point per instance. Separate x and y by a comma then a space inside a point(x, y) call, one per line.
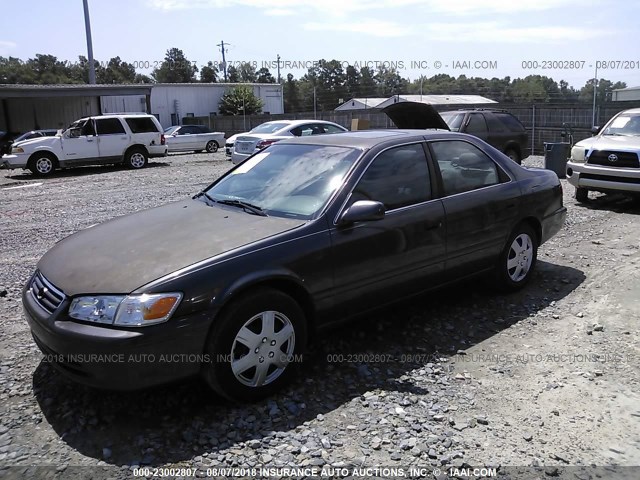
point(33, 107)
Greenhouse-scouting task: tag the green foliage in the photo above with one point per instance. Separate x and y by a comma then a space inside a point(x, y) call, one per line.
point(209, 73)
point(239, 100)
point(264, 76)
point(175, 68)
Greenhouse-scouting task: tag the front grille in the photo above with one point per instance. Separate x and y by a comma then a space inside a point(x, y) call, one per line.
point(45, 294)
point(609, 178)
point(610, 158)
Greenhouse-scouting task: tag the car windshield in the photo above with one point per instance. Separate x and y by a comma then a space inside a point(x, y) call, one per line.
point(170, 130)
point(453, 119)
point(628, 124)
point(269, 127)
point(294, 181)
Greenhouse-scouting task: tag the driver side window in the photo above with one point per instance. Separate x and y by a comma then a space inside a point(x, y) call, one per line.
point(398, 177)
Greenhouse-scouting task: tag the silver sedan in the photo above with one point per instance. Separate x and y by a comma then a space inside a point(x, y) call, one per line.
point(196, 138)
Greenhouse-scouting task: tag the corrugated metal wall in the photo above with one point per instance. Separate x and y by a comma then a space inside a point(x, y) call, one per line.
point(57, 112)
point(203, 100)
point(123, 103)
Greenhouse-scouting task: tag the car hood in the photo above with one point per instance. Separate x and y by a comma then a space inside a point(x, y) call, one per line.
point(415, 115)
point(611, 142)
point(37, 142)
point(128, 252)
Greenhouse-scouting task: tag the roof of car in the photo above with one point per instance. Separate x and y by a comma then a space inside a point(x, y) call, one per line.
point(368, 138)
point(631, 110)
point(299, 122)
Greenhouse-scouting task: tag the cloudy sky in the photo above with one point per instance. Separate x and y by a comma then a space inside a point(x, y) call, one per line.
point(488, 38)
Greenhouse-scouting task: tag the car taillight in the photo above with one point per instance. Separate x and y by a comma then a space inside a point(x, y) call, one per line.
point(162, 141)
point(264, 143)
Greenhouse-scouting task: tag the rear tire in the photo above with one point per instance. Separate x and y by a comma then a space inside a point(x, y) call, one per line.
point(582, 194)
point(255, 345)
point(212, 146)
point(136, 158)
point(518, 259)
point(42, 164)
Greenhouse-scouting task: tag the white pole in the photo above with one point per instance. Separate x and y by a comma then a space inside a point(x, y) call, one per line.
point(595, 86)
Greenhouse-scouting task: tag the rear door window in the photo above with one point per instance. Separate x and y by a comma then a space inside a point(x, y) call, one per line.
point(141, 125)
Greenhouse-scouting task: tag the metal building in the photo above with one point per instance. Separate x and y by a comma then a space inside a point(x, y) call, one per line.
point(625, 94)
point(32, 107)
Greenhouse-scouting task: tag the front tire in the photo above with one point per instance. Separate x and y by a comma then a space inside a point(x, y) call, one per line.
point(255, 346)
point(136, 158)
point(518, 259)
point(42, 164)
point(212, 146)
point(582, 194)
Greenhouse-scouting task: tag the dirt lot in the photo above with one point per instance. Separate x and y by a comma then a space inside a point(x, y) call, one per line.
point(547, 377)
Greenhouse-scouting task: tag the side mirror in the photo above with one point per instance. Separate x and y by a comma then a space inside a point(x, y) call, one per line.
point(595, 130)
point(363, 211)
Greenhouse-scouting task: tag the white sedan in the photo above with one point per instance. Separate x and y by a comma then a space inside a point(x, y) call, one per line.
point(247, 144)
point(196, 138)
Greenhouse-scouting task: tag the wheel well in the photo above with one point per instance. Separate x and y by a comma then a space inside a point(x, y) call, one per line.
point(136, 147)
point(536, 226)
point(291, 288)
point(513, 146)
point(49, 154)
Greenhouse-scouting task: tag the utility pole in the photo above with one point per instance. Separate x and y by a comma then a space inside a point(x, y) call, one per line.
point(224, 62)
point(87, 26)
point(278, 68)
point(314, 102)
point(595, 85)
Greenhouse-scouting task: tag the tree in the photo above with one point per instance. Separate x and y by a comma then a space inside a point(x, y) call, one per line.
point(390, 82)
point(352, 82)
point(247, 72)
point(209, 73)
point(603, 90)
point(239, 100)
point(368, 87)
point(116, 71)
point(291, 95)
point(264, 76)
point(175, 68)
point(232, 74)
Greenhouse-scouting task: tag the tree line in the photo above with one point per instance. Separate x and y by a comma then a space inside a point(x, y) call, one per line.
point(323, 87)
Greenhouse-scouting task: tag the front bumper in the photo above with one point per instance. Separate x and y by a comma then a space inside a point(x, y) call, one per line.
point(118, 358)
point(14, 161)
point(602, 178)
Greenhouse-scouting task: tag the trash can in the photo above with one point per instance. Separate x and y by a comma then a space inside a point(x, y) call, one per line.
point(556, 156)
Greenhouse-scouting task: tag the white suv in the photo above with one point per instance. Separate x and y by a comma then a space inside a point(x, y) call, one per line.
point(129, 139)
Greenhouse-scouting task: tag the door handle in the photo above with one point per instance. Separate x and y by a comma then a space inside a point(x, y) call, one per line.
point(89, 139)
point(432, 225)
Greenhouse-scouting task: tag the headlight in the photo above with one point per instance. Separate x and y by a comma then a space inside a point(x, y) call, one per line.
point(578, 153)
point(129, 311)
point(17, 150)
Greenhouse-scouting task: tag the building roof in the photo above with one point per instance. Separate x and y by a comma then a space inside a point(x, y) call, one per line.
point(356, 103)
point(438, 99)
point(72, 90)
point(627, 89)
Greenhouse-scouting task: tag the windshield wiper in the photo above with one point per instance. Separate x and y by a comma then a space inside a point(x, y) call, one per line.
point(245, 205)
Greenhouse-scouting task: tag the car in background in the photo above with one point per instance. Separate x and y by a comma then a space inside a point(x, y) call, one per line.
point(498, 128)
point(262, 128)
point(610, 160)
point(184, 138)
point(247, 144)
point(48, 132)
point(307, 233)
point(127, 139)
point(6, 139)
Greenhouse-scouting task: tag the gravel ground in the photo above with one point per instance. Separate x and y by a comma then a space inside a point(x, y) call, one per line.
point(547, 377)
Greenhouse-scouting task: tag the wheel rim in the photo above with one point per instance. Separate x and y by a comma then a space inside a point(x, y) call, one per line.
point(520, 257)
point(137, 160)
point(44, 165)
point(262, 349)
point(212, 147)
